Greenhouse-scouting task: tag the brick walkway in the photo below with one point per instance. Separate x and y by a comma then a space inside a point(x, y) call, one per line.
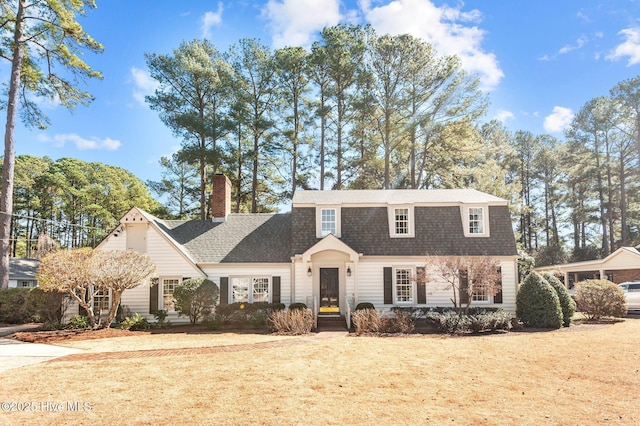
point(200, 351)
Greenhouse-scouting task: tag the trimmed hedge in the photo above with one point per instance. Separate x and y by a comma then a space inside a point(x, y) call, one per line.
point(567, 304)
point(488, 321)
point(537, 303)
point(364, 305)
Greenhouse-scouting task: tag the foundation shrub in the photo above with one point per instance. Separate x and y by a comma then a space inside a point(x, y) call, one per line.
point(47, 306)
point(369, 321)
point(79, 322)
point(14, 306)
point(480, 321)
point(537, 303)
point(135, 323)
point(600, 298)
point(242, 315)
point(364, 305)
point(567, 304)
point(291, 321)
point(297, 305)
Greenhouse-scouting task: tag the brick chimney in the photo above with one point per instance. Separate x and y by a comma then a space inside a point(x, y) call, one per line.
point(221, 199)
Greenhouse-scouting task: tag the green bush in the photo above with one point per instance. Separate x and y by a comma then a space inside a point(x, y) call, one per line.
point(47, 306)
point(135, 323)
point(600, 298)
point(537, 303)
point(297, 305)
point(243, 314)
point(14, 306)
point(291, 321)
point(364, 305)
point(79, 322)
point(567, 304)
point(160, 316)
point(195, 298)
point(450, 322)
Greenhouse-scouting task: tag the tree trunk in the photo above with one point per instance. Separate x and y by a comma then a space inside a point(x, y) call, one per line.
point(8, 165)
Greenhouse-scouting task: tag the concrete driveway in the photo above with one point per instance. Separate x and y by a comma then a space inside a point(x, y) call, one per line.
point(14, 353)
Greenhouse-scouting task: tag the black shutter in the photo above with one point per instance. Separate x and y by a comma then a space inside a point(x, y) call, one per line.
point(388, 286)
point(422, 285)
point(224, 290)
point(153, 295)
point(275, 290)
point(498, 297)
point(464, 286)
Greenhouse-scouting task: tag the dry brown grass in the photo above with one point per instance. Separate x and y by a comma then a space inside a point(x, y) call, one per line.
point(587, 375)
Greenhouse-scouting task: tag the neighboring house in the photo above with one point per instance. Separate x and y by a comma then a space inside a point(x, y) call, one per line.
point(334, 248)
point(620, 266)
point(22, 272)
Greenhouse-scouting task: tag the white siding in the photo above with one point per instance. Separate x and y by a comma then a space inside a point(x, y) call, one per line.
point(370, 284)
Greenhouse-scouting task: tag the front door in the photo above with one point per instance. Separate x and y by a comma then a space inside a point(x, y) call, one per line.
point(329, 290)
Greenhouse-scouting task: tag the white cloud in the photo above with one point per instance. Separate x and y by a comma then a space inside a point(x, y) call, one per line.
point(60, 140)
point(558, 120)
point(446, 28)
point(503, 115)
point(211, 19)
point(294, 22)
point(144, 84)
point(569, 47)
point(630, 48)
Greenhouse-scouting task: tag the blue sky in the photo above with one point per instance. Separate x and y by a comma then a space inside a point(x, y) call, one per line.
point(539, 61)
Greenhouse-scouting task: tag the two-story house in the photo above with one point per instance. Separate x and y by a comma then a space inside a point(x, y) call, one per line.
point(334, 248)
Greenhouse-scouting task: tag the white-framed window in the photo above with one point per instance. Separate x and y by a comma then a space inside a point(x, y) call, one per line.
point(250, 289)
point(168, 287)
point(101, 300)
point(327, 221)
point(401, 221)
point(404, 288)
point(475, 221)
point(480, 295)
point(27, 283)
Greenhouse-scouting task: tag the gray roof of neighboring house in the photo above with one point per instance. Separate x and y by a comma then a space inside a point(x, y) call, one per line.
point(23, 269)
point(242, 238)
point(397, 196)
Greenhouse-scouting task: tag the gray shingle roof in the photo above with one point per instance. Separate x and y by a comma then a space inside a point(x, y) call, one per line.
point(23, 269)
point(242, 238)
point(396, 196)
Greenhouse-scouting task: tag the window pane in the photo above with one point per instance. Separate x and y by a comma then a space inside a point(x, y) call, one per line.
point(168, 286)
point(240, 289)
point(402, 221)
point(476, 224)
point(404, 286)
point(101, 301)
point(328, 221)
point(261, 290)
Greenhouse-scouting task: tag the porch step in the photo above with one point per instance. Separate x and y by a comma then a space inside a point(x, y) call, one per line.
point(331, 323)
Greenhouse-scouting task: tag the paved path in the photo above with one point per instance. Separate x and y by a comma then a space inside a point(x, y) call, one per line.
point(14, 353)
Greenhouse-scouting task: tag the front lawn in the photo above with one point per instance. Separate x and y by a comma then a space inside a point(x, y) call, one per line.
point(583, 375)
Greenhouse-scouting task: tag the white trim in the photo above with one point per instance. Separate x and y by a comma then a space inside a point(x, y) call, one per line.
point(464, 215)
point(251, 277)
point(161, 291)
point(337, 210)
point(412, 281)
point(391, 215)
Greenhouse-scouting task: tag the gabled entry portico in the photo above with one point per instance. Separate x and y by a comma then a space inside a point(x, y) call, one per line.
point(326, 275)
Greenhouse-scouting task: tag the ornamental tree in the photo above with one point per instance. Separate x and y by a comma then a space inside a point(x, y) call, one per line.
point(118, 271)
point(195, 297)
point(465, 276)
point(70, 272)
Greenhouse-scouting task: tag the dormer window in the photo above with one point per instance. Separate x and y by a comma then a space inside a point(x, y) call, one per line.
point(475, 221)
point(401, 221)
point(327, 221)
